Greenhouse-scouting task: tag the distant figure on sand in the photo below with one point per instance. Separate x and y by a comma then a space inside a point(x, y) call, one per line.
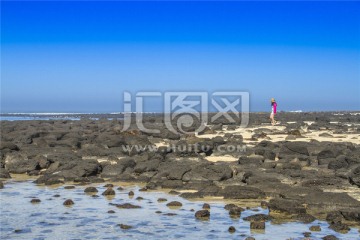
point(273, 111)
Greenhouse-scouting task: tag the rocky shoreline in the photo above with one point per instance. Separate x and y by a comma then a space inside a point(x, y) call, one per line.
point(299, 178)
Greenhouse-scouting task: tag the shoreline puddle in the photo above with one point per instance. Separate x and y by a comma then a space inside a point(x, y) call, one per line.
point(89, 217)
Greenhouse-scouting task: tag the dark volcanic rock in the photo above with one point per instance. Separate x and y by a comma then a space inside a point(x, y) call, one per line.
point(315, 228)
point(202, 214)
point(113, 170)
point(305, 218)
point(339, 227)
point(334, 217)
point(210, 172)
point(17, 163)
point(91, 190)
point(258, 217)
point(254, 160)
point(331, 201)
point(235, 212)
point(241, 192)
point(35, 200)
point(351, 215)
point(257, 225)
point(82, 168)
point(340, 162)
point(231, 229)
point(124, 226)
point(206, 206)
point(8, 146)
point(190, 195)
point(326, 153)
point(109, 192)
point(4, 173)
point(294, 148)
point(174, 204)
point(330, 237)
point(125, 206)
point(68, 202)
point(286, 206)
point(355, 175)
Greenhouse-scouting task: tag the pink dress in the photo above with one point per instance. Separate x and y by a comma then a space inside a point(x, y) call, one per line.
point(273, 108)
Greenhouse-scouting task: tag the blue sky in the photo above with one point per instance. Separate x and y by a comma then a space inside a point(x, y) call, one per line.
point(81, 56)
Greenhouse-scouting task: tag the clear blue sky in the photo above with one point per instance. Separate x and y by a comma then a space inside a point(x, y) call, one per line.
point(81, 56)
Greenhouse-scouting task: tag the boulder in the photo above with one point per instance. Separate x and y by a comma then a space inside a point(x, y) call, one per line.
point(257, 225)
point(109, 192)
point(4, 173)
point(242, 192)
point(202, 214)
point(351, 215)
point(286, 206)
point(305, 218)
point(210, 172)
point(315, 228)
point(91, 190)
point(354, 176)
point(125, 206)
point(19, 163)
point(174, 204)
point(68, 202)
point(235, 212)
point(339, 162)
point(258, 217)
point(330, 237)
point(294, 149)
point(330, 201)
point(339, 227)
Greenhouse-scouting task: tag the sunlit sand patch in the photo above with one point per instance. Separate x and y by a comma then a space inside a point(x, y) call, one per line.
point(225, 158)
point(161, 144)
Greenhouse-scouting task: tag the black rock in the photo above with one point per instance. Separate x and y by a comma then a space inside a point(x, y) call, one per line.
point(286, 206)
point(339, 227)
point(35, 200)
point(124, 226)
point(202, 214)
point(206, 206)
point(258, 217)
point(257, 225)
point(315, 228)
point(231, 229)
point(91, 190)
point(241, 192)
point(68, 202)
point(235, 212)
point(125, 206)
point(305, 218)
point(174, 204)
point(109, 192)
point(330, 237)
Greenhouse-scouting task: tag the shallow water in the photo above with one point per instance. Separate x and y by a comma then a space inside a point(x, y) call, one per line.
point(89, 217)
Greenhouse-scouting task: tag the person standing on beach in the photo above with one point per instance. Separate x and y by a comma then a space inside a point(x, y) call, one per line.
point(273, 111)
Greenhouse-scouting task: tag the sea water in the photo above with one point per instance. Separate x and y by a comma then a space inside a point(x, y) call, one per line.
point(88, 218)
